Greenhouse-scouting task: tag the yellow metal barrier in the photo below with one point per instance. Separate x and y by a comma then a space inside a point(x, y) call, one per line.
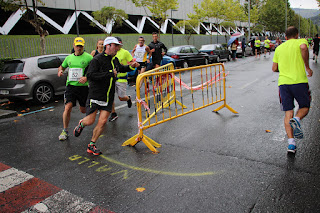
point(160, 87)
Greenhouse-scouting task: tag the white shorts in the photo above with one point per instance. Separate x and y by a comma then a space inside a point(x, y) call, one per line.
point(121, 89)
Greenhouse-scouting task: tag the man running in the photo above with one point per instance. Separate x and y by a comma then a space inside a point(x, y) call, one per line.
point(124, 58)
point(156, 48)
point(102, 73)
point(77, 85)
point(267, 46)
point(257, 44)
point(315, 48)
point(142, 54)
point(291, 60)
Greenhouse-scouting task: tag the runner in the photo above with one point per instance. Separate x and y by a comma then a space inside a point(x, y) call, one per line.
point(243, 47)
point(291, 60)
point(315, 48)
point(77, 85)
point(310, 42)
point(99, 48)
point(124, 58)
point(267, 46)
point(140, 52)
point(257, 44)
point(102, 73)
point(278, 42)
point(156, 48)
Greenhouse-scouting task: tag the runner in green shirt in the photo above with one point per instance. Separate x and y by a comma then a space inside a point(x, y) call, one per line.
point(124, 58)
point(77, 85)
point(257, 44)
point(291, 60)
point(267, 46)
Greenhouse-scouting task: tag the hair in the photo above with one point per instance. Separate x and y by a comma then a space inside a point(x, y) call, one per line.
point(316, 35)
point(98, 42)
point(291, 32)
point(141, 37)
point(154, 33)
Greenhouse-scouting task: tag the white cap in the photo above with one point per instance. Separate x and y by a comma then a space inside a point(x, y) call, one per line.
point(111, 40)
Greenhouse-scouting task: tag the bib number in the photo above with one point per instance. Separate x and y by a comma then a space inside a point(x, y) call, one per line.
point(75, 74)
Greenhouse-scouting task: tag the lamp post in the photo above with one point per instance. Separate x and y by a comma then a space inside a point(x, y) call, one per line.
point(249, 7)
point(172, 26)
point(299, 18)
point(77, 24)
point(286, 19)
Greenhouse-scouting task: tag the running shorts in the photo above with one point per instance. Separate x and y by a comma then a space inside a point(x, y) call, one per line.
point(299, 92)
point(121, 88)
point(93, 105)
point(76, 93)
point(316, 51)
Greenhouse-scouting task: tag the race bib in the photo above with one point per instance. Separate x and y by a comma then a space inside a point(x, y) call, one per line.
point(75, 74)
point(139, 54)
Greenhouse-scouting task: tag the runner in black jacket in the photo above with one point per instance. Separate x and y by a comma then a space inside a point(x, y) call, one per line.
point(102, 72)
point(156, 49)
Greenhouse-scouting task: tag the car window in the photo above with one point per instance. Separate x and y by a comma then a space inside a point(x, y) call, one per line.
point(12, 67)
point(49, 62)
point(173, 49)
point(183, 50)
point(218, 47)
point(194, 50)
point(208, 47)
point(62, 57)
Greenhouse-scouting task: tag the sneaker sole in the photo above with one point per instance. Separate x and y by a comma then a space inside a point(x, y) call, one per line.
point(297, 131)
point(291, 151)
point(91, 152)
point(113, 119)
point(63, 139)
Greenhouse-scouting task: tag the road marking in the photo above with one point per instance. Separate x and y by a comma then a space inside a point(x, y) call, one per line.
point(157, 171)
point(40, 110)
point(12, 177)
point(248, 84)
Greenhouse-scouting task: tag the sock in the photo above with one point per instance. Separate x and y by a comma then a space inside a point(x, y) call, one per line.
point(92, 143)
point(291, 141)
point(65, 130)
point(298, 119)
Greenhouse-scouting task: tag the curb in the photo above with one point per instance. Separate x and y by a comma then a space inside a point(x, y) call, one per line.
point(7, 113)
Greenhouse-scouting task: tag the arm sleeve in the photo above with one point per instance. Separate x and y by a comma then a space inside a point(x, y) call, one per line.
point(65, 62)
point(121, 68)
point(93, 72)
point(164, 48)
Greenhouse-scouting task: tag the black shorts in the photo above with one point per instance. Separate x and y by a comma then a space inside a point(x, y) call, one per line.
point(316, 51)
point(76, 93)
point(268, 49)
point(156, 61)
point(92, 107)
point(142, 65)
point(258, 49)
point(299, 92)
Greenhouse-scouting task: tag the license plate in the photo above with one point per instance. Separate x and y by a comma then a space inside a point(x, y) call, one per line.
point(4, 92)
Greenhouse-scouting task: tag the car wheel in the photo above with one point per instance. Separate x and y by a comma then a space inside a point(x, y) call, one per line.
point(185, 64)
point(229, 57)
point(206, 62)
point(43, 93)
point(218, 59)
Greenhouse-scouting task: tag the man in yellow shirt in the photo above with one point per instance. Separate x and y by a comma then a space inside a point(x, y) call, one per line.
point(257, 44)
point(291, 60)
point(267, 46)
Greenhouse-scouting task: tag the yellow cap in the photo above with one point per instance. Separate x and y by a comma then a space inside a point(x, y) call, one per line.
point(79, 41)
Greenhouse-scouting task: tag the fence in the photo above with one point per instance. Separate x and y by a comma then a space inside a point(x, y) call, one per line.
point(168, 94)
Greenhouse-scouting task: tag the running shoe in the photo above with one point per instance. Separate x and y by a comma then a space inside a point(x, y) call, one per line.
point(63, 136)
point(113, 117)
point(313, 58)
point(129, 102)
point(292, 149)
point(77, 131)
point(92, 149)
point(295, 125)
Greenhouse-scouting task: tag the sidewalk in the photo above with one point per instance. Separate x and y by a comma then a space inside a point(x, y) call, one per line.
point(6, 113)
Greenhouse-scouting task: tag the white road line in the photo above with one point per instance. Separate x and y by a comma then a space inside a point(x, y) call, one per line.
point(12, 177)
point(62, 201)
point(248, 84)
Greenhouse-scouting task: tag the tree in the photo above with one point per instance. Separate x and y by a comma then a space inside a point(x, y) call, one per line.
point(235, 12)
point(109, 15)
point(272, 15)
point(158, 8)
point(188, 26)
point(30, 17)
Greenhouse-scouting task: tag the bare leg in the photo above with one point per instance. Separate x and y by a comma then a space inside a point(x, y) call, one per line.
point(89, 119)
point(66, 115)
point(113, 108)
point(82, 109)
point(103, 118)
point(287, 117)
point(302, 112)
point(256, 53)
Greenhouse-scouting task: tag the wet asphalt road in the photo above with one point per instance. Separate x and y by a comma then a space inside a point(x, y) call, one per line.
point(208, 162)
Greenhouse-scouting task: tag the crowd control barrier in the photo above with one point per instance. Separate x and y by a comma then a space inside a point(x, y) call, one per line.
point(166, 94)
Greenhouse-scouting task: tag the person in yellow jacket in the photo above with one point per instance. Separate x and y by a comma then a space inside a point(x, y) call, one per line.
point(125, 58)
point(257, 44)
point(267, 46)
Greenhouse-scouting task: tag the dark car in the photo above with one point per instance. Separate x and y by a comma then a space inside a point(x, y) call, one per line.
point(216, 52)
point(32, 78)
point(187, 55)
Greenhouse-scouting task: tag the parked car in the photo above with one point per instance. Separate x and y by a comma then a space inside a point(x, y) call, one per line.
point(32, 78)
point(247, 51)
point(187, 55)
point(216, 52)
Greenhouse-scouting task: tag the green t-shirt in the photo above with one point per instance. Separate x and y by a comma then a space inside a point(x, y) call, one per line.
point(72, 61)
point(267, 43)
point(290, 63)
point(257, 43)
point(124, 57)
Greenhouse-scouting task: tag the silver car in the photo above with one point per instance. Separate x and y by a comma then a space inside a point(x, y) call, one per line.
point(32, 78)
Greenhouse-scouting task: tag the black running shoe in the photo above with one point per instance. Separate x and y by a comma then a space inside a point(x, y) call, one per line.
point(92, 149)
point(129, 102)
point(77, 131)
point(113, 117)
